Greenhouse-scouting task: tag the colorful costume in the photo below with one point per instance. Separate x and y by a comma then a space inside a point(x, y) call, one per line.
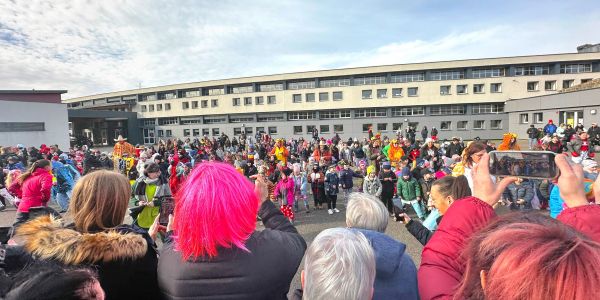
point(280, 152)
point(506, 145)
point(394, 153)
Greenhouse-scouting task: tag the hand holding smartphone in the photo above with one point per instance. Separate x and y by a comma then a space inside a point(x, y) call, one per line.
point(524, 164)
point(166, 208)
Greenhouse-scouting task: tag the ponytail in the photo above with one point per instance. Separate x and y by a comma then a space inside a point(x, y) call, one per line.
point(460, 188)
point(42, 163)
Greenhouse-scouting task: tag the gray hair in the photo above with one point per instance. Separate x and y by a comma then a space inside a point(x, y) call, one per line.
point(339, 265)
point(365, 211)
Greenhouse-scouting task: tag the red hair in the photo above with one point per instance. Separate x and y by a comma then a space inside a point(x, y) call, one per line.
point(530, 256)
point(215, 208)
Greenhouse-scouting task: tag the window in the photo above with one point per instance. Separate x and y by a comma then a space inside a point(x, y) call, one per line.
point(214, 102)
point(371, 113)
point(533, 86)
point(186, 132)
point(301, 115)
point(334, 82)
point(214, 119)
point(461, 125)
point(159, 107)
point(151, 107)
point(248, 130)
point(240, 119)
point(144, 108)
point(382, 127)
point(487, 73)
point(491, 108)
point(338, 128)
point(397, 92)
point(550, 85)
point(461, 89)
point(237, 130)
point(22, 126)
point(297, 98)
point(538, 118)
point(324, 128)
point(169, 132)
point(297, 129)
point(270, 87)
point(410, 77)
point(496, 124)
point(445, 90)
point(440, 110)
point(338, 96)
point(396, 126)
point(381, 93)
point(586, 80)
point(272, 130)
point(310, 97)
point(532, 70)
point(189, 94)
point(413, 91)
point(270, 117)
point(271, 100)
point(241, 89)
point(323, 97)
point(478, 88)
point(447, 75)
point(366, 127)
point(367, 94)
point(369, 80)
point(446, 125)
point(479, 124)
point(149, 97)
point(334, 114)
point(160, 133)
point(524, 118)
point(167, 106)
point(215, 131)
point(167, 95)
point(167, 121)
point(205, 131)
point(204, 103)
point(194, 104)
point(301, 85)
point(568, 83)
point(185, 105)
point(575, 68)
point(260, 100)
point(408, 111)
point(196, 132)
point(247, 100)
point(496, 87)
point(149, 122)
point(216, 91)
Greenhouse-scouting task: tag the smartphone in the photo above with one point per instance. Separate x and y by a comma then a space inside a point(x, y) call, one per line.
point(166, 208)
point(525, 164)
point(398, 210)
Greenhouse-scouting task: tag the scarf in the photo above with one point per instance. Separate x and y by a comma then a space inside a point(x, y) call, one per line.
point(161, 188)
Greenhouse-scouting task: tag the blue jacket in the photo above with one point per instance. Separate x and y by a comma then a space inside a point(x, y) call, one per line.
point(550, 129)
point(346, 178)
point(555, 202)
point(332, 182)
point(396, 274)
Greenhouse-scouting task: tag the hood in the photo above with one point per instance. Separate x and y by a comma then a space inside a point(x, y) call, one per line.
point(45, 238)
point(388, 252)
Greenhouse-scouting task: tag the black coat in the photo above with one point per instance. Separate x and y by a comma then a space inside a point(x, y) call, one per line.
point(454, 149)
point(420, 232)
point(265, 272)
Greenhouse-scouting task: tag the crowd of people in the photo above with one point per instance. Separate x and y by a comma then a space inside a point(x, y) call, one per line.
point(211, 248)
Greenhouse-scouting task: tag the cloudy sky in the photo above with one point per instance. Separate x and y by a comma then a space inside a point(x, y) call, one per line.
point(90, 47)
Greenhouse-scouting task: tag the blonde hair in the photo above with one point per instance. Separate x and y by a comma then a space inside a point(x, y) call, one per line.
point(99, 201)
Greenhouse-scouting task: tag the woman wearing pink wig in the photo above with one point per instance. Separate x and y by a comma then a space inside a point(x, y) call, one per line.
point(215, 251)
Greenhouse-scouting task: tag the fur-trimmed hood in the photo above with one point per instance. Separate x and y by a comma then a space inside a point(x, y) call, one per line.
point(46, 238)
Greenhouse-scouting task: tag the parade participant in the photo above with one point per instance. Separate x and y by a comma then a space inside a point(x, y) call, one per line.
point(317, 184)
point(374, 153)
point(430, 153)
point(580, 147)
point(280, 151)
point(121, 147)
point(148, 191)
point(284, 190)
point(322, 153)
point(372, 185)
point(66, 177)
point(36, 187)
point(409, 191)
point(300, 187)
point(347, 176)
point(393, 152)
point(555, 145)
point(509, 142)
point(519, 194)
point(332, 182)
point(388, 182)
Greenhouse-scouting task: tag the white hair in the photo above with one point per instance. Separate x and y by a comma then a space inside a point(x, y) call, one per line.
point(366, 211)
point(339, 265)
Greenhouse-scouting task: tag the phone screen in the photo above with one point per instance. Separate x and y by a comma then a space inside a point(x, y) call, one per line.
point(166, 208)
point(527, 164)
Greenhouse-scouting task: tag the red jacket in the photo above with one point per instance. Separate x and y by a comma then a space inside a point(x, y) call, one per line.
point(442, 267)
point(36, 190)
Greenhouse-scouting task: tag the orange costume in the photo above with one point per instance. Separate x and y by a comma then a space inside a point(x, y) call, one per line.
point(506, 145)
point(394, 153)
point(280, 152)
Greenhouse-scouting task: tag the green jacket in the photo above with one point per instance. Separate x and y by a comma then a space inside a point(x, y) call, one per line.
point(408, 190)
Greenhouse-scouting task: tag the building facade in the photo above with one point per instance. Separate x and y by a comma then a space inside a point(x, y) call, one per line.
point(460, 98)
point(32, 118)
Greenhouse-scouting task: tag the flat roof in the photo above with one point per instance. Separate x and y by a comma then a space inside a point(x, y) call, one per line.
point(33, 91)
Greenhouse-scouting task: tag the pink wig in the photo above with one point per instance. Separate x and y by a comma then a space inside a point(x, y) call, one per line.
point(216, 207)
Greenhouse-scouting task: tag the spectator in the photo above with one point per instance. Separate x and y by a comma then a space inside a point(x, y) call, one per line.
point(396, 275)
point(124, 256)
point(214, 250)
point(332, 183)
point(388, 181)
point(555, 145)
point(455, 148)
point(580, 147)
point(148, 192)
point(424, 133)
point(339, 265)
point(409, 191)
point(550, 128)
point(519, 194)
point(14, 164)
point(372, 185)
point(532, 133)
point(36, 186)
point(470, 158)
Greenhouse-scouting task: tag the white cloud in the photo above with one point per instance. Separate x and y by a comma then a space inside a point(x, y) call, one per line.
point(90, 47)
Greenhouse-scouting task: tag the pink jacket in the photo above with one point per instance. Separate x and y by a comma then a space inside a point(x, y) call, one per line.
point(442, 266)
point(36, 190)
point(288, 185)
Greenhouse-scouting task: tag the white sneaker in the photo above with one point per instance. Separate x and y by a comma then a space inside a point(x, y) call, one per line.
point(329, 211)
point(336, 210)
